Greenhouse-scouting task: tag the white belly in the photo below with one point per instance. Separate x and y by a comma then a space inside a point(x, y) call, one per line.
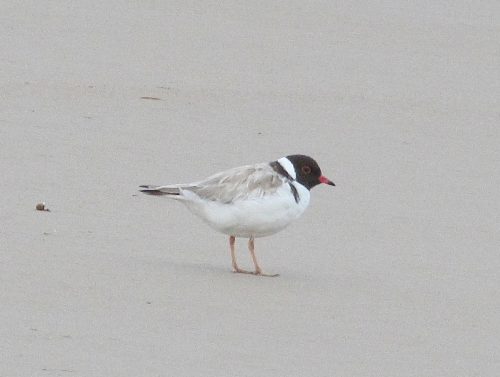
point(257, 217)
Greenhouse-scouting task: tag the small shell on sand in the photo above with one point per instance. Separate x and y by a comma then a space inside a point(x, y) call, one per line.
point(41, 207)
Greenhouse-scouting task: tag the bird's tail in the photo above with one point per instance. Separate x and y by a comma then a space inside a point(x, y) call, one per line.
point(160, 190)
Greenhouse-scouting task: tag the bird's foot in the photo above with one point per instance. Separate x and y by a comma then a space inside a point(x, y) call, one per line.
point(260, 273)
point(256, 273)
point(238, 270)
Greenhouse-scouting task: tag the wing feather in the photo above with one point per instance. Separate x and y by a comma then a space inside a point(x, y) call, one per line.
point(251, 181)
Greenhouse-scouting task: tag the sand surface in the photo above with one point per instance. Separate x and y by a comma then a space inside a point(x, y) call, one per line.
point(395, 272)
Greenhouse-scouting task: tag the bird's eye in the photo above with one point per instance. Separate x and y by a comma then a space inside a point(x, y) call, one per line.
point(306, 169)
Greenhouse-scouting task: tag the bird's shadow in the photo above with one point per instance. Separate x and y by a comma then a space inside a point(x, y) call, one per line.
point(225, 271)
point(200, 267)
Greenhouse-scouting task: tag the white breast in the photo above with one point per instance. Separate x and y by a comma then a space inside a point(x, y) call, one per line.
point(257, 217)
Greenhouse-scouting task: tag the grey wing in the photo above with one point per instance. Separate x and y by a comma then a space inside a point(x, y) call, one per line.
point(244, 182)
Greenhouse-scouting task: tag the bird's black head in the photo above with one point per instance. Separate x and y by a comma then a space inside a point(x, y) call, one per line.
point(308, 171)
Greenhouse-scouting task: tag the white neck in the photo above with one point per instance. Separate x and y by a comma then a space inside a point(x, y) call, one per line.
point(288, 166)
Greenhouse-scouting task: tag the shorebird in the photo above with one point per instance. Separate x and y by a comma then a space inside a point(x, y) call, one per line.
point(250, 201)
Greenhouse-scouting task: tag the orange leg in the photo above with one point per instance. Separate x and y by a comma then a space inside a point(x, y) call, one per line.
point(232, 241)
point(258, 270)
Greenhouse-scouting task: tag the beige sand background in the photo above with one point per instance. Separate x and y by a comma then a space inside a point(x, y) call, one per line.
point(395, 272)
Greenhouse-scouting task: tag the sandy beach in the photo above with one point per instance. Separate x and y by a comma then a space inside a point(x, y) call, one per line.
point(394, 272)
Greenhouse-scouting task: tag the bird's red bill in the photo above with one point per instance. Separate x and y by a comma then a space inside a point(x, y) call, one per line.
point(326, 181)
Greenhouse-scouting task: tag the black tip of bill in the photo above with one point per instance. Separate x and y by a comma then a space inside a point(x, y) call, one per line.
point(326, 181)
